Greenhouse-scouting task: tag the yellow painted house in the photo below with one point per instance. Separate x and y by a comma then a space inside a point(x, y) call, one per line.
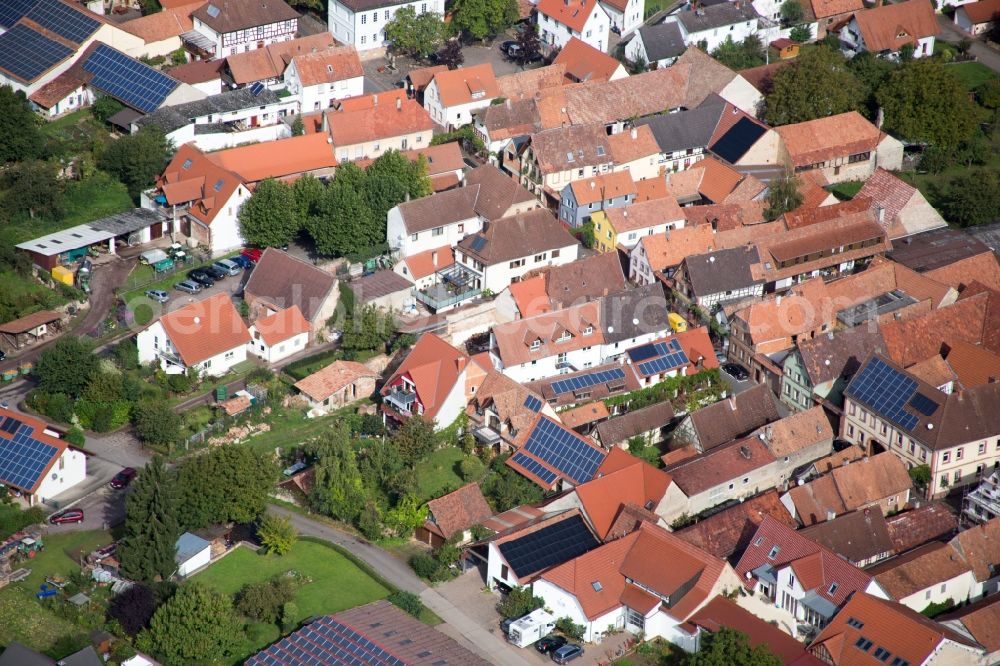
point(626, 225)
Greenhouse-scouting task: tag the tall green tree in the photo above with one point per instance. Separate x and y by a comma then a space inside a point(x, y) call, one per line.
point(505, 489)
point(230, 484)
point(66, 367)
point(309, 193)
point(728, 647)
point(784, 194)
point(344, 223)
point(20, 129)
point(817, 84)
point(151, 529)
point(339, 490)
point(871, 72)
point(925, 102)
point(791, 12)
point(414, 439)
point(368, 329)
point(31, 188)
point(484, 18)
point(196, 626)
point(156, 423)
point(415, 34)
point(137, 159)
point(277, 534)
point(973, 198)
point(270, 217)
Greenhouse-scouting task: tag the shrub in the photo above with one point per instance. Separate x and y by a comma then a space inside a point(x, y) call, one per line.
point(471, 469)
point(447, 554)
point(570, 629)
point(408, 602)
point(518, 603)
point(424, 565)
point(133, 608)
point(276, 534)
point(289, 616)
point(264, 602)
point(76, 437)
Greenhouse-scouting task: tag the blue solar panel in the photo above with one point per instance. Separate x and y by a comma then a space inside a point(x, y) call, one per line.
point(129, 81)
point(23, 458)
point(923, 404)
point(532, 466)
point(323, 642)
point(478, 243)
point(664, 363)
point(67, 22)
point(549, 546)
point(532, 403)
point(11, 11)
point(27, 54)
point(564, 451)
point(647, 351)
point(886, 391)
point(590, 379)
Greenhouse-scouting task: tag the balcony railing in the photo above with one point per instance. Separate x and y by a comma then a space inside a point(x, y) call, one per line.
point(438, 297)
point(402, 401)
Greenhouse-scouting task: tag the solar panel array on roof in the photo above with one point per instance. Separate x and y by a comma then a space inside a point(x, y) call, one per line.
point(65, 21)
point(256, 88)
point(129, 81)
point(923, 404)
point(670, 356)
point(27, 54)
point(646, 351)
point(532, 466)
point(886, 390)
point(590, 379)
point(564, 451)
point(23, 458)
point(322, 642)
point(549, 546)
point(734, 144)
point(478, 243)
point(11, 11)
point(532, 403)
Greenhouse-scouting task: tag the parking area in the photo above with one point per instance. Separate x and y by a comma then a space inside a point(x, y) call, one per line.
point(475, 54)
point(468, 593)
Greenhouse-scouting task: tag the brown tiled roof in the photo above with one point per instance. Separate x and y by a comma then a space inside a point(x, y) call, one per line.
point(507, 399)
point(571, 147)
point(205, 328)
point(913, 340)
point(526, 83)
point(981, 620)
point(840, 354)
point(514, 338)
point(930, 522)
point(57, 89)
point(889, 27)
point(984, 268)
point(498, 192)
point(282, 281)
point(466, 84)
point(323, 383)
point(821, 237)
point(670, 248)
point(333, 64)
point(721, 612)
point(422, 76)
point(381, 121)
point(203, 183)
point(837, 458)
point(510, 119)
point(585, 63)
point(735, 416)
point(440, 209)
point(980, 546)
point(198, 71)
point(584, 414)
point(170, 22)
point(434, 367)
point(378, 284)
point(857, 536)
point(881, 475)
point(983, 11)
point(621, 428)
point(826, 8)
point(520, 235)
point(584, 279)
point(797, 431)
point(826, 138)
point(29, 322)
point(603, 187)
point(726, 533)
point(816, 500)
point(903, 632)
point(459, 510)
point(761, 77)
point(626, 147)
point(718, 180)
point(645, 215)
point(919, 569)
point(934, 370)
point(972, 364)
point(236, 15)
point(887, 191)
point(720, 464)
point(270, 62)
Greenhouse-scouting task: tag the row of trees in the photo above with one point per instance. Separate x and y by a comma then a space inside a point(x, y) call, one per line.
point(344, 216)
point(421, 34)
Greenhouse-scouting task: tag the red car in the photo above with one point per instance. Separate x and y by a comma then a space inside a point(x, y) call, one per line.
point(123, 478)
point(67, 516)
point(252, 253)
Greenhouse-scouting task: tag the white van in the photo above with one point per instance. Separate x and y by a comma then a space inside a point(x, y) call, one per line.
point(531, 627)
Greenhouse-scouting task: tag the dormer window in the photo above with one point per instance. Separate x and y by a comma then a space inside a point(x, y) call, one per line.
point(588, 330)
point(535, 344)
point(774, 552)
point(564, 337)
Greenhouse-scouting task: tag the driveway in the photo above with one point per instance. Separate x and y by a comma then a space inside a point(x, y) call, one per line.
point(952, 34)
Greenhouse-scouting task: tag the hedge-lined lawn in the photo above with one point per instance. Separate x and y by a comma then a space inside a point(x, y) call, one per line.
point(973, 74)
point(336, 583)
point(437, 474)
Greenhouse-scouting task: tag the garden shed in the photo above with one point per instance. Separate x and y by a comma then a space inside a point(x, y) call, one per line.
point(193, 553)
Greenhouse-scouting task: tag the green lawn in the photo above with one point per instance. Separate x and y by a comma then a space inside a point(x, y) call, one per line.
point(438, 473)
point(61, 556)
point(973, 74)
point(846, 190)
point(336, 583)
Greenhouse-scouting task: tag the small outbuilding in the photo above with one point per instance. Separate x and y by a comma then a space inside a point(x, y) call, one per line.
point(28, 329)
point(193, 553)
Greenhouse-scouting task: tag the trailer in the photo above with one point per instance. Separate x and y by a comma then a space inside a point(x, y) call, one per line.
point(535, 625)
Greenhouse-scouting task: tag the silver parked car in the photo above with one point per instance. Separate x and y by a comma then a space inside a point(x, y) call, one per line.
point(158, 295)
point(230, 267)
point(190, 286)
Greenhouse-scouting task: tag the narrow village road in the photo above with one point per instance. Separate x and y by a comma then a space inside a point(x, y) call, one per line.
point(952, 34)
point(460, 625)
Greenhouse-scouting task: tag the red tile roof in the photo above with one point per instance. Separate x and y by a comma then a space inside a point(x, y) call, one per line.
point(721, 464)
point(728, 532)
point(429, 262)
point(334, 64)
point(983, 11)
point(202, 183)
point(721, 612)
point(593, 579)
point(270, 62)
point(277, 159)
point(466, 84)
point(171, 22)
point(826, 138)
point(983, 268)
point(584, 63)
point(282, 325)
point(458, 511)
point(637, 483)
point(205, 328)
point(434, 367)
point(323, 383)
point(379, 121)
point(603, 187)
point(890, 27)
point(572, 13)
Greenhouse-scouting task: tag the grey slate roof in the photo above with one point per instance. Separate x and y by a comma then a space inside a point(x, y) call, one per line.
point(721, 271)
point(617, 430)
point(377, 285)
point(634, 312)
point(170, 118)
point(127, 222)
point(662, 41)
point(687, 129)
point(716, 16)
point(856, 536)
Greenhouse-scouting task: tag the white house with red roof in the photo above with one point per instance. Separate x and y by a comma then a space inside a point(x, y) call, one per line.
point(454, 95)
point(797, 575)
point(34, 461)
point(431, 383)
point(625, 15)
point(587, 20)
point(207, 336)
point(321, 78)
point(626, 584)
point(279, 335)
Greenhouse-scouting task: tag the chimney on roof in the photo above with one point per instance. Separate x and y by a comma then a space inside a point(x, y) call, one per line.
point(777, 301)
point(460, 363)
point(399, 103)
point(880, 214)
point(434, 258)
point(830, 514)
point(732, 403)
point(374, 100)
point(634, 133)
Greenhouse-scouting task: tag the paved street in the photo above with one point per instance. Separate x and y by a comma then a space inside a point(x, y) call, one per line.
point(952, 34)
